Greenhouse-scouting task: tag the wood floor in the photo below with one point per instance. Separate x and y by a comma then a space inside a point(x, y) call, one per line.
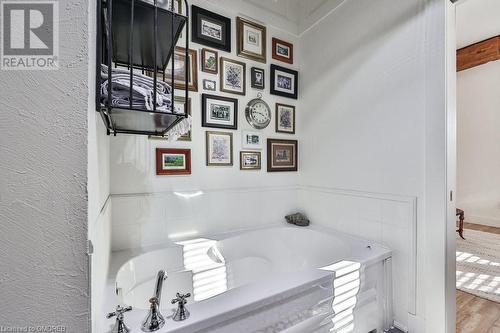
point(475, 314)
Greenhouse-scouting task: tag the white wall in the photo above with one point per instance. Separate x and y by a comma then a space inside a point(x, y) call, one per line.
point(372, 124)
point(43, 212)
point(133, 165)
point(478, 159)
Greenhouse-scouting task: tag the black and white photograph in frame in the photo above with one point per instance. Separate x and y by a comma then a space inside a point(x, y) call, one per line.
point(251, 39)
point(210, 29)
point(209, 61)
point(219, 149)
point(284, 82)
point(251, 140)
point(285, 118)
point(219, 112)
point(209, 85)
point(232, 76)
point(257, 78)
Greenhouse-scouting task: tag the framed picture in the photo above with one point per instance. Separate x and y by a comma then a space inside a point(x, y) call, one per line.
point(282, 155)
point(209, 61)
point(180, 70)
point(282, 51)
point(173, 161)
point(251, 39)
point(285, 118)
point(179, 106)
point(209, 85)
point(210, 29)
point(251, 140)
point(284, 82)
point(257, 78)
point(219, 112)
point(219, 149)
point(232, 76)
point(177, 6)
point(250, 160)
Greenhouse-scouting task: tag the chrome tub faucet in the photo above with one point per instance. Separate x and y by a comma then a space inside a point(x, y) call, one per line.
point(154, 320)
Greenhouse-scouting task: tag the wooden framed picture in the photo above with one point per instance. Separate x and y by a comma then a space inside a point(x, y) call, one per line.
point(284, 82)
point(171, 161)
point(282, 51)
point(282, 155)
point(210, 29)
point(209, 61)
point(251, 140)
point(219, 149)
point(257, 78)
point(285, 118)
point(232, 76)
point(250, 160)
point(219, 112)
point(209, 85)
point(180, 105)
point(180, 70)
point(251, 39)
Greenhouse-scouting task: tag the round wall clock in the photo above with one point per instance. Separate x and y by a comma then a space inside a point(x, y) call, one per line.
point(258, 113)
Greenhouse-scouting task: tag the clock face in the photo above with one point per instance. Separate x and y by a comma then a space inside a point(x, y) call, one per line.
point(258, 114)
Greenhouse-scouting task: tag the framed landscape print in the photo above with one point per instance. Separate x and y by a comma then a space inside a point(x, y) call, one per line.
point(251, 140)
point(219, 149)
point(180, 70)
point(282, 155)
point(173, 161)
point(251, 39)
point(209, 85)
point(250, 160)
point(285, 118)
point(284, 82)
point(282, 51)
point(219, 112)
point(257, 78)
point(210, 29)
point(209, 61)
point(232, 76)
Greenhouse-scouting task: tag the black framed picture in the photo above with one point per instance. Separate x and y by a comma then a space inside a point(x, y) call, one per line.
point(210, 29)
point(257, 78)
point(284, 82)
point(219, 112)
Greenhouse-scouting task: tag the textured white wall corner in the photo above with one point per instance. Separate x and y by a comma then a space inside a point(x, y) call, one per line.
point(478, 160)
point(43, 188)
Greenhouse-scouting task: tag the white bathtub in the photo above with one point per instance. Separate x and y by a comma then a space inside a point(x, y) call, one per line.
point(280, 279)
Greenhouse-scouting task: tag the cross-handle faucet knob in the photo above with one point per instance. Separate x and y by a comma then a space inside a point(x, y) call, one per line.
point(182, 313)
point(120, 326)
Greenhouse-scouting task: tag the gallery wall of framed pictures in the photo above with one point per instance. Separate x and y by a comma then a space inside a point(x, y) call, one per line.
point(233, 61)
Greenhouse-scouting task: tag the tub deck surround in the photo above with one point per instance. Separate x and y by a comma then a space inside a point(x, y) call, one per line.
point(271, 278)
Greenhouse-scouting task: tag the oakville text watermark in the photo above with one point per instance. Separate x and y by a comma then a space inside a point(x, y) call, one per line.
point(30, 35)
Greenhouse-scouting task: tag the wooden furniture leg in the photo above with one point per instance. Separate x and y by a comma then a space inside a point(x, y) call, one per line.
point(461, 217)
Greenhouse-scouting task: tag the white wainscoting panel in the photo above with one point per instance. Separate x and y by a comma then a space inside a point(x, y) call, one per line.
point(387, 219)
point(155, 218)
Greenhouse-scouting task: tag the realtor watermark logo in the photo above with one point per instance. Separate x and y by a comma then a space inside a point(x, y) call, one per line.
point(30, 36)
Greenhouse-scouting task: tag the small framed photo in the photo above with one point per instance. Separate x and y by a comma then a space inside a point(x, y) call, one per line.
point(282, 51)
point(210, 29)
point(285, 118)
point(251, 39)
point(219, 112)
point(209, 61)
point(282, 155)
point(209, 85)
point(173, 161)
point(251, 140)
point(257, 78)
point(219, 149)
point(284, 82)
point(232, 76)
point(250, 160)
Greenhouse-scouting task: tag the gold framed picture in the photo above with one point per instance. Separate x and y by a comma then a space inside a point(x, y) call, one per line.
point(251, 39)
point(232, 76)
point(219, 149)
point(250, 160)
